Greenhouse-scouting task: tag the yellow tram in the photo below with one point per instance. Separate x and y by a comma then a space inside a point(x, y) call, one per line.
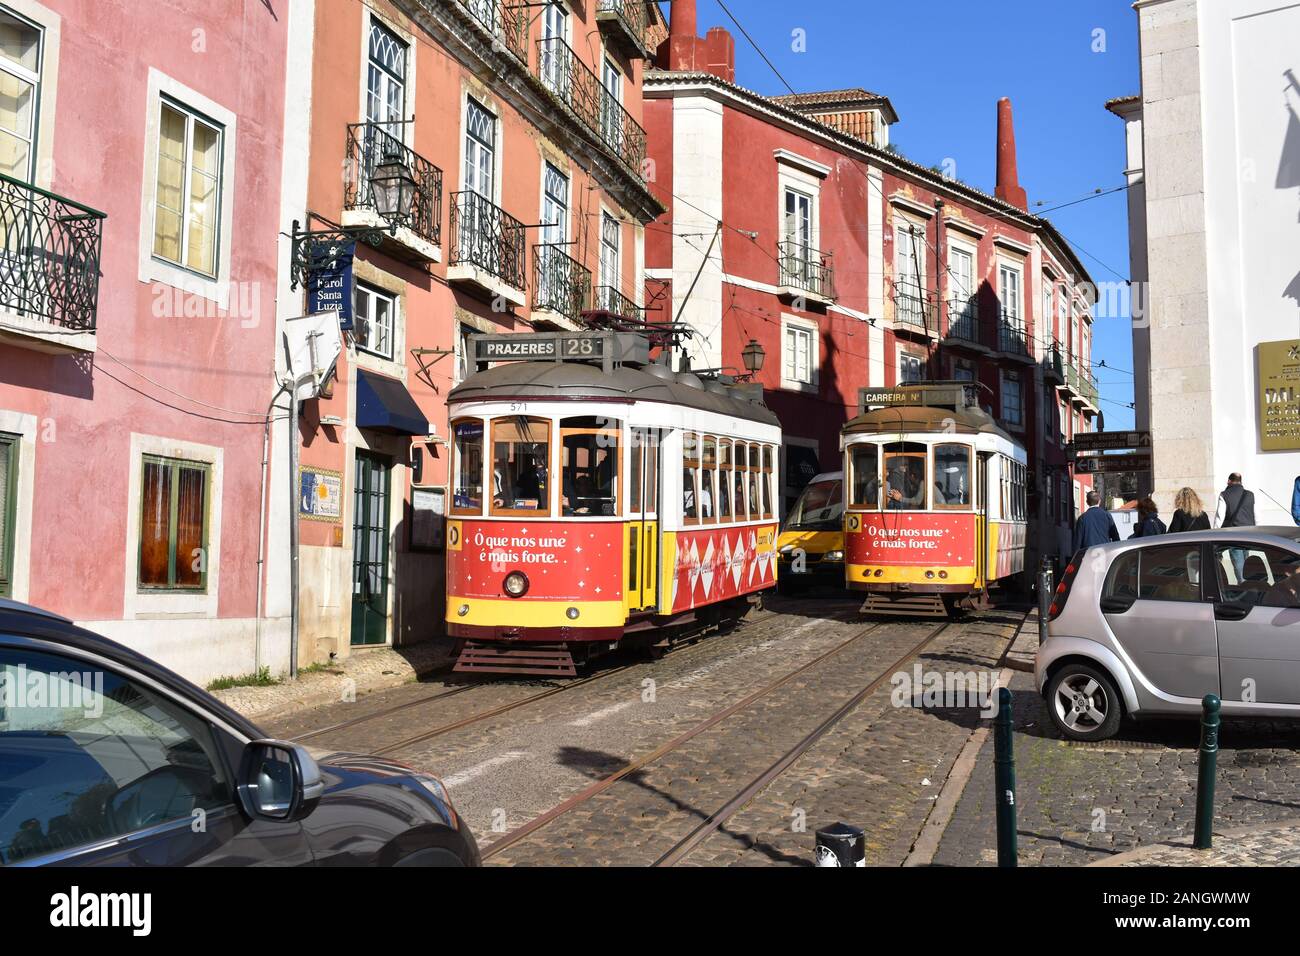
point(935, 500)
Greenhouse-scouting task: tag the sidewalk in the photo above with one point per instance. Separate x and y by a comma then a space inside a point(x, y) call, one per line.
point(363, 672)
point(1273, 845)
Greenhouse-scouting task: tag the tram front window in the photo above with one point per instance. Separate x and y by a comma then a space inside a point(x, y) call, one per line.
point(865, 462)
point(520, 451)
point(952, 476)
point(589, 462)
point(467, 493)
point(905, 476)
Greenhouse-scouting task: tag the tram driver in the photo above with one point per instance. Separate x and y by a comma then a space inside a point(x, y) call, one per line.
point(905, 489)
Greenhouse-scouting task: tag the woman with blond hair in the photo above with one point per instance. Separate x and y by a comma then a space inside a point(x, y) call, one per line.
point(1189, 513)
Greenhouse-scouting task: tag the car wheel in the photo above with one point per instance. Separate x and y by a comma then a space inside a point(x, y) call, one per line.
point(432, 856)
point(1084, 703)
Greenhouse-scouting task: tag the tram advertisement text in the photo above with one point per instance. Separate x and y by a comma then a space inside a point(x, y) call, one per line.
point(898, 538)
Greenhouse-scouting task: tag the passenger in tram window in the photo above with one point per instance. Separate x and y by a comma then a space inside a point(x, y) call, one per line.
point(905, 488)
point(951, 476)
point(688, 493)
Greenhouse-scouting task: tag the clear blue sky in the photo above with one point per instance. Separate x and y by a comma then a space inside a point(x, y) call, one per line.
point(944, 64)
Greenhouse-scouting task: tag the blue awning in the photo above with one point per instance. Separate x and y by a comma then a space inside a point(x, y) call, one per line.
point(384, 405)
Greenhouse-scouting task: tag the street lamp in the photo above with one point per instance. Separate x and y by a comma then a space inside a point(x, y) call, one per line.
point(393, 188)
point(753, 356)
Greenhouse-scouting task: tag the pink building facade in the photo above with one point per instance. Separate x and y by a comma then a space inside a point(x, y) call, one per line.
point(140, 147)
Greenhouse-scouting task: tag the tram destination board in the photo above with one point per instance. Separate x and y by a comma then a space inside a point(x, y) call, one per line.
point(599, 347)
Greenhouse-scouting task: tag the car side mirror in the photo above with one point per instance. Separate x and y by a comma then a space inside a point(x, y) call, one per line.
point(279, 781)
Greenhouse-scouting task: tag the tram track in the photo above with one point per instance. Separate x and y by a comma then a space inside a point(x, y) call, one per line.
point(683, 847)
point(703, 640)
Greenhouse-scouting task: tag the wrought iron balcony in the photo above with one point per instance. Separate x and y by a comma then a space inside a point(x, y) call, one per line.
point(370, 144)
point(608, 300)
point(561, 283)
point(1011, 336)
point(49, 258)
point(575, 85)
point(485, 236)
point(911, 308)
point(805, 269)
point(626, 22)
point(1053, 366)
point(964, 322)
point(1080, 382)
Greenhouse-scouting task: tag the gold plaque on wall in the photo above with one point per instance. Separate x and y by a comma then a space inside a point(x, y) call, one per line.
point(1279, 395)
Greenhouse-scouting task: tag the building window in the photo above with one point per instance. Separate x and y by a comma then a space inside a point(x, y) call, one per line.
point(909, 274)
point(480, 150)
point(612, 114)
point(961, 284)
point(610, 265)
point(553, 51)
point(386, 79)
point(963, 371)
point(173, 525)
point(1013, 412)
point(20, 89)
point(799, 356)
point(187, 199)
point(8, 510)
point(373, 315)
point(465, 364)
point(911, 368)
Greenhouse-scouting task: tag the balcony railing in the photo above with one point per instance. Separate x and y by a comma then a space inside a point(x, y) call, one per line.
point(629, 16)
point(805, 269)
point(607, 298)
point(1011, 336)
point(561, 283)
point(49, 256)
point(910, 306)
point(369, 145)
point(1080, 381)
point(963, 320)
point(578, 88)
point(1053, 366)
point(487, 237)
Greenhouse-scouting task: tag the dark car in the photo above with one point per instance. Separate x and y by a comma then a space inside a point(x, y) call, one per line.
point(108, 758)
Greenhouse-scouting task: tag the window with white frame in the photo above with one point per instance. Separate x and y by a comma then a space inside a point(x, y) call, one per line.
point(961, 285)
point(1044, 324)
point(553, 62)
point(20, 91)
point(187, 197)
point(612, 114)
point(798, 355)
point(386, 79)
point(1011, 330)
point(909, 273)
point(1013, 409)
point(480, 150)
point(374, 317)
point(465, 365)
point(911, 368)
point(553, 274)
point(610, 264)
point(1062, 318)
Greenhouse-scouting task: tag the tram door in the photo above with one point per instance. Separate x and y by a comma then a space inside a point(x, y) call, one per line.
point(982, 535)
point(642, 565)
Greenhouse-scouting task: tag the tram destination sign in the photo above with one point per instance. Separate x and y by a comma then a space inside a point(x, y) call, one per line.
point(1112, 441)
point(602, 348)
point(939, 395)
point(1111, 464)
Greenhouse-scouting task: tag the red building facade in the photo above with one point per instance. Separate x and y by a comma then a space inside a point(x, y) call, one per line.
point(793, 225)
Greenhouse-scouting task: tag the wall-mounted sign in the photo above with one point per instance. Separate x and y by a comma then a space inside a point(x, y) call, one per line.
point(428, 518)
point(1111, 441)
point(1279, 395)
point(1111, 464)
point(329, 279)
point(320, 495)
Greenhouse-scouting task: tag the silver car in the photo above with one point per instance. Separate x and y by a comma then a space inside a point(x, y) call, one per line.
point(1150, 626)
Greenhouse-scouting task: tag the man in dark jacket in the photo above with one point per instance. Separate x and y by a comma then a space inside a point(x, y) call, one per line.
point(1236, 508)
point(1095, 526)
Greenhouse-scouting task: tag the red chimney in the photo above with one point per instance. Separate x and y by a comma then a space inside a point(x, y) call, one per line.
point(720, 50)
point(1008, 186)
point(685, 51)
point(681, 19)
point(683, 41)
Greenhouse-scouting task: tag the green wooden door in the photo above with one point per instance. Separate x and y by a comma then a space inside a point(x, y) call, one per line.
point(370, 549)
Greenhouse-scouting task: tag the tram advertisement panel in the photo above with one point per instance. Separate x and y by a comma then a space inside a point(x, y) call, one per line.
point(900, 538)
point(564, 561)
point(720, 563)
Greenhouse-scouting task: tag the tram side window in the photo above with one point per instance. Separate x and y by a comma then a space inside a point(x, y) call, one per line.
point(690, 475)
point(905, 476)
point(724, 479)
point(755, 474)
point(520, 453)
point(467, 494)
point(589, 463)
point(636, 464)
point(952, 476)
point(767, 481)
point(708, 471)
point(864, 461)
point(738, 482)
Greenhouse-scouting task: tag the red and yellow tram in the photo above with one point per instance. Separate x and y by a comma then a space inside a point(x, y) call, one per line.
point(599, 498)
point(935, 500)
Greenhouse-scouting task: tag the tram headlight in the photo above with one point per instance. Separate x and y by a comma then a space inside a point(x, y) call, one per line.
point(879, 572)
point(929, 574)
point(462, 610)
point(516, 584)
point(833, 556)
point(571, 613)
point(943, 574)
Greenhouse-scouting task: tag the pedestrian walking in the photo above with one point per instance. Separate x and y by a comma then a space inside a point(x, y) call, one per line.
point(1149, 523)
point(1189, 513)
point(1095, 526)
point(1236, 509)
point(1295, 501)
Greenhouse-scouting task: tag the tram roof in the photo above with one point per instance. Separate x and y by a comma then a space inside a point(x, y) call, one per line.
point(571, 381)
point(925, 419)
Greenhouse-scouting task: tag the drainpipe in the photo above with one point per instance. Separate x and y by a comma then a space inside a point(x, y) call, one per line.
point(293, 531)
point(261, 531)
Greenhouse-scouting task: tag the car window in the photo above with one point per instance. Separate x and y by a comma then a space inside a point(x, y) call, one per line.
point(1122, 581)
point(1255, 576)
point(1170, 573)
point(87, 755)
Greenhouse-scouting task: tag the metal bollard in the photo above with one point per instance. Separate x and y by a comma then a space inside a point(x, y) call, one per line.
point(841, 845)
point(1044, 598)
point(1206, 765)
point(1004, 777)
